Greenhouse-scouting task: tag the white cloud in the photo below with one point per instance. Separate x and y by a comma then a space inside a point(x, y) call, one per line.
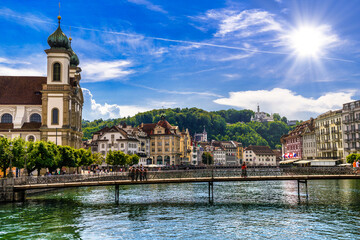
point(96, 70)
point(286, 102)
point(207, 94)
point(36, 21)
point(94, 110)
point(245, 23)
point(8, 71)
point(149, 5)
point(34, 66)
point(231, 75)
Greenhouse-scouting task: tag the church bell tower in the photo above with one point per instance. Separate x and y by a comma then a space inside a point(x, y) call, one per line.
point(62, 98)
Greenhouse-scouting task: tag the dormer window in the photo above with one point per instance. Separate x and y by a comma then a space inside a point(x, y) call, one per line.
point(56, 72)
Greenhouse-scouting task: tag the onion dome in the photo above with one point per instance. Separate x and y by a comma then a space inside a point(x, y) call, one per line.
point(58, 40)
point(74, 60)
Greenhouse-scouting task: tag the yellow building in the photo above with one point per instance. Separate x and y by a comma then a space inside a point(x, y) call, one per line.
point(329, 135)
point(185, 147)
point(164, 142)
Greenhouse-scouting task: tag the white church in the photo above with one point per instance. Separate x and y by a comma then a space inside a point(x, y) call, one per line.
point(45, 108)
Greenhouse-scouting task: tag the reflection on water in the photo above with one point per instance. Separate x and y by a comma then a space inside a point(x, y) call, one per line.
point(255, 210)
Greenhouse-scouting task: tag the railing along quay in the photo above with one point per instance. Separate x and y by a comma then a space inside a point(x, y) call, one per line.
point(181, 174)
point(209, 175)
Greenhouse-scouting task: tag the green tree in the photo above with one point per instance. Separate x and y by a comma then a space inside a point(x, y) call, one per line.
point(98, 158)
point(207, 158)
point(5, 154)
point(276, 117)
point(132, 159)
point(352, 157)
point(18, 152)
point(67, 157)
point(83, 158)
point(116, 158)
point(41, 156)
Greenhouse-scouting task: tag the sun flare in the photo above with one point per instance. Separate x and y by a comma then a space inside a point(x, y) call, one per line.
point(309, 41)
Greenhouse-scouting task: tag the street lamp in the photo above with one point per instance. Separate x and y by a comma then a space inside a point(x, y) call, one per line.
point(11, 174)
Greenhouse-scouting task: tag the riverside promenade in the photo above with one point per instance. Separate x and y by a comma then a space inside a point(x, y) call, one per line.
point(14, 189)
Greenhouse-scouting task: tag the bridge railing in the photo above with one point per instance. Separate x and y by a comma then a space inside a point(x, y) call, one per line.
point(170, 174)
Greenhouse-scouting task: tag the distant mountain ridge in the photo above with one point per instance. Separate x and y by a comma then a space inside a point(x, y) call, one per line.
point(228, 124)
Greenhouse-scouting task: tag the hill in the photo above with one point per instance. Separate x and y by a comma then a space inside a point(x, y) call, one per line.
point(221, 125)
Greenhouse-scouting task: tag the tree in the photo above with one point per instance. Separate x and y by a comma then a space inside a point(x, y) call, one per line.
point(83, 158)
point(207, 158)
point(284, 120)
point(116, 158)
point(133, 159)
point(41, 156)
point(278, 146)
point(352, 157)
point(97, 158)
point(18, 152)
point(67, 157)
point(5, 154)
point(276, 117)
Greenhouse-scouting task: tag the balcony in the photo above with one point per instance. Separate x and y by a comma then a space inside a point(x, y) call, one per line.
point(334, 131)
point(338, 122)
point(326, 125)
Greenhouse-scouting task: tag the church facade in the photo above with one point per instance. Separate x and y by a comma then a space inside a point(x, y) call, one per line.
point(45, 108)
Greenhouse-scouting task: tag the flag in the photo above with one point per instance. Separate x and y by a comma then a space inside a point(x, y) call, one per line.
point(295, 155)
point(290, 155)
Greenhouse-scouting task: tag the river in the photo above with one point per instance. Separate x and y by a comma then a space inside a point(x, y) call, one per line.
point(252, 210)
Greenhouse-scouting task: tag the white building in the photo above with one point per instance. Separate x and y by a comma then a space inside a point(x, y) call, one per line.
point(201, 137)
point(261, 116)
point(259, 156)
point(219, 156)
point(126, 139)
point(309, 142)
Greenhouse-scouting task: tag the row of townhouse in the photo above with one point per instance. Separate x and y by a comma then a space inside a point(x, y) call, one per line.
point(155, 143)
point(225, 153)
point(332, 135)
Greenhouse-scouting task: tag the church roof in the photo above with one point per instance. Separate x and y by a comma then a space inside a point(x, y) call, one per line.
point(21, 90)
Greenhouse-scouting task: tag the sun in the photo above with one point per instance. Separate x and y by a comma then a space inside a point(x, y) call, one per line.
point(307, 41)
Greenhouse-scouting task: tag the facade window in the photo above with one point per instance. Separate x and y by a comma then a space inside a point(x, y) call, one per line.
point(35, 118)
point(6, 118)
point(56, 72)
point(122, 145)
point(31, 138)
point(102, 145)
point(55, 116)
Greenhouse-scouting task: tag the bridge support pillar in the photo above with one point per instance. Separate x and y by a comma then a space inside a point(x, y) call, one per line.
point(306, 188)
point(211, 192)
point(117, 193)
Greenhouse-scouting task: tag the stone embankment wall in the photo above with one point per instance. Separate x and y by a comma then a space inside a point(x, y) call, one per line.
point(6, 190)
point(7, 193)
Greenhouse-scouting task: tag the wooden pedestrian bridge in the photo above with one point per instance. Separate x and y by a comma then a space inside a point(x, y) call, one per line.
point(19, 186)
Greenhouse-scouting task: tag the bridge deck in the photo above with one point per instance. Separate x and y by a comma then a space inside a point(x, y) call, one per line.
point(181, 180)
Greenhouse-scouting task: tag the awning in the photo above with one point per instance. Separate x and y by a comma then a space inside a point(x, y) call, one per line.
point(288, 161)
point(302, 162)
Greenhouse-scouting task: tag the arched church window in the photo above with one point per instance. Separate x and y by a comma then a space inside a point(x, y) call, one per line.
point(6, 118)
point(35, 118)
point(56, 72)
point(31, 138)
point(55, 116)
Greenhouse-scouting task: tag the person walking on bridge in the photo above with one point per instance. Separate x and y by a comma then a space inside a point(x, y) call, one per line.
point(243, 170)
point(354, 166)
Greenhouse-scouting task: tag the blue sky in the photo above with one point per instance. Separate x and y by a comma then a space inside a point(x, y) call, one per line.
point(296, 58)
